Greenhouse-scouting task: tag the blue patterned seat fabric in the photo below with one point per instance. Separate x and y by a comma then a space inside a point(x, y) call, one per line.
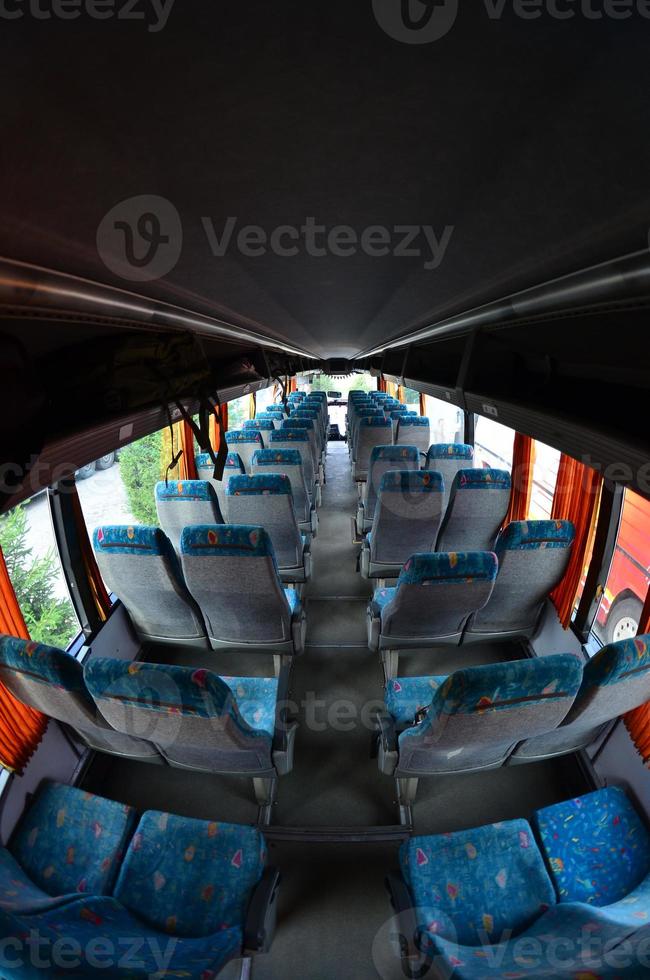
point(184, 490)
point(273, 457)
point(235, 436)
point(450, 450)
point(411, 481)
point(67, 843)
point(405, 695)
point(226, 540)
point(182, 690)
point(597, 847)
point(482, 479)
point(398, 454)
point(260, 483)
point(616, 662)
point(289, 435)
point(529, 535)
point(293, 599)
point(190, 878)
point(139, 539)
point(413, 420)
point(233, 461)
point(259, 425)
point(472, 885)
point(42, 663)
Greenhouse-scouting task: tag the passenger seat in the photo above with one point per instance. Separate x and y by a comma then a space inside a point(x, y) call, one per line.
point(266, 500)
point(371, 432)
point(205, 468)
point(288, 462)
point(406, 521)
point(246, 442)
point(478, 504)
point(382, 459)
point(448, 458)
point(232, 573)
point(533, 557)
point(51, 681)
point(139, 564)
point(182, 502)
point(616, 680)
point(434, 597)
point(413, 430)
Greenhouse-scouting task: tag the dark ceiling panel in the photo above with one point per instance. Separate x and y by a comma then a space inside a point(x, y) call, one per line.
point(528, 137)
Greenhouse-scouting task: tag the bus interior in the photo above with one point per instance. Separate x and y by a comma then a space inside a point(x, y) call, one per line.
point(324, 491)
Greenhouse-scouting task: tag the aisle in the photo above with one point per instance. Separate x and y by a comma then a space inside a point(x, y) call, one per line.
point(337, 682)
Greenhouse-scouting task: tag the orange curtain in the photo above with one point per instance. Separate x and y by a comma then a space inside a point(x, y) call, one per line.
point(183, 438)
point(21, 728)
point(637, 722)
point(400, 394)
point(577, 497)
point(93, 577)
point(293, 385)
point(423, 405)
point(381, 384)
point(215, 435)
point(252, 406)
point(392, 389)
point(523, 460)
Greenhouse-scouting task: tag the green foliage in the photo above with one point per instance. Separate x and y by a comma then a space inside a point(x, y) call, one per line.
point(140, 469)
point(48, 618)
point(238, 410)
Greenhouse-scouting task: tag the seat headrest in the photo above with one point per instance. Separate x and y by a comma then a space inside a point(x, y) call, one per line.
point(260, 484)
point(289, 435)
point(397, 454)
point(398, 413)
point(185, 490)
point(621, 661)
point(233, 461)
point(234, 436)
point(415, 420)
point(450, 450)
point(371, 422)
point(442, 567)
point(42, 663)
point(226, 540)
point(129, 539)
point(482, 479)
point(272, 457)
point(529, 535)
point(183, 690)
point(495, 687)
point(414, 481)
point(294, 423)
point(259, 425)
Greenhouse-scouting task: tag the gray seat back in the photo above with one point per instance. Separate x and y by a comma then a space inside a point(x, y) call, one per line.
point(616, 680)
point(263, 426)
point(140, 566)
point(246, 442)
point(413, 430)
point(182, 502)
point(233, 575)
point(298, 440)
point(383, 459)
point(448, 458)
point(51, 681)
point(478, 715)
point(191, 716)
point(478, 504)
point(533, 557)
point(435, 595)
point(372, 432)
point(286, 462)
point(266, 500)
point(306, 425)
point(232, 467)
point(407, 515)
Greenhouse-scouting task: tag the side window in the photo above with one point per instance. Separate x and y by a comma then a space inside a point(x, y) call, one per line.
point(629, 574)
point(411, 399)
point(447, 422)
point(263, 399)
point(238, 411)
point(34, 567)
point(493, 444)
point(545, 468)
point(123, 493)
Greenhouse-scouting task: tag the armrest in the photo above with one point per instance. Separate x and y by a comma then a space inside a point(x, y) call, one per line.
point(402, 903)
point(388, 749)
point(261, 914)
